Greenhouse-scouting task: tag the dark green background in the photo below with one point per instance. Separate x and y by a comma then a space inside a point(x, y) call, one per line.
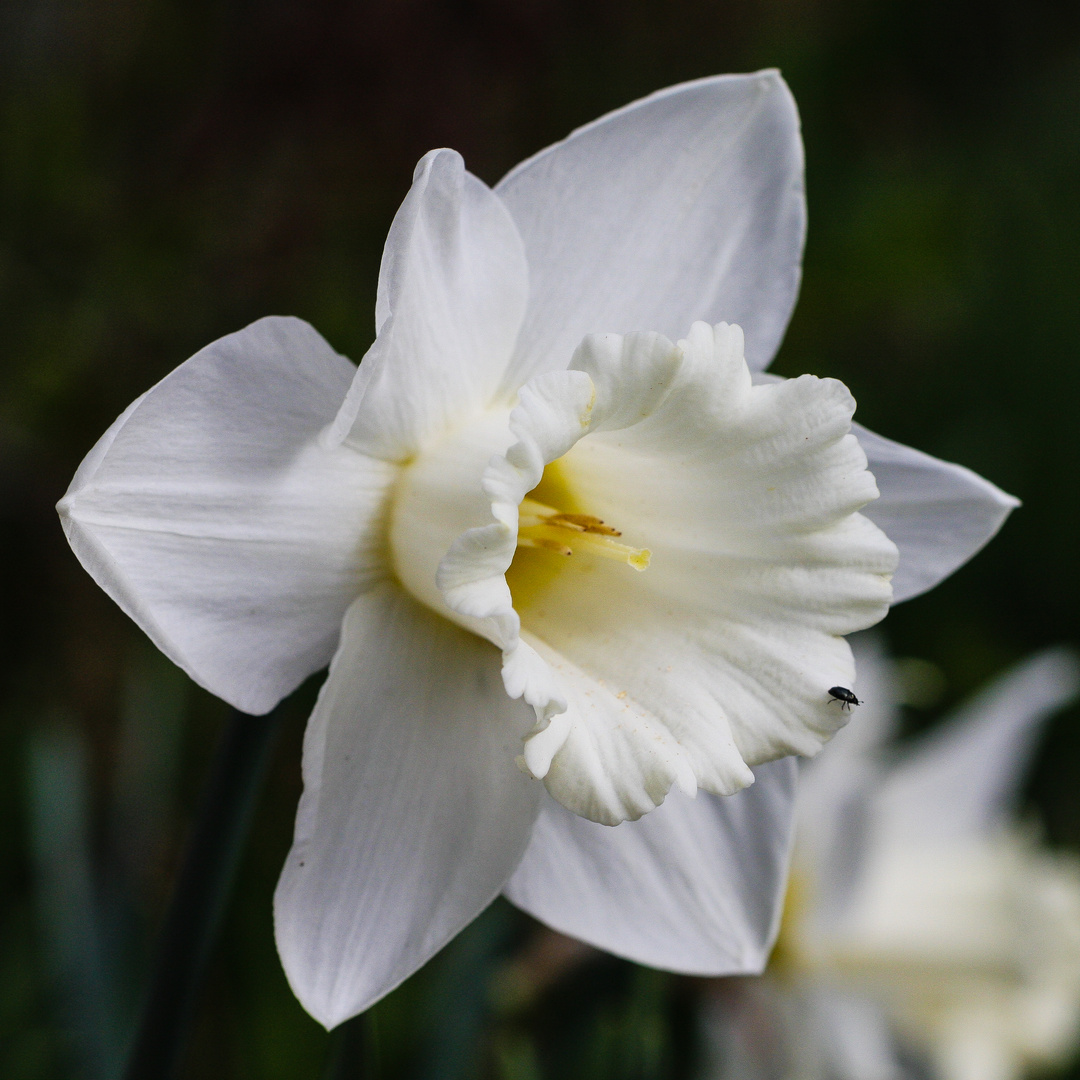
point(172, 169)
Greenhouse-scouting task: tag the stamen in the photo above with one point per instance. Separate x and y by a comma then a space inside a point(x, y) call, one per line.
point(541, 526)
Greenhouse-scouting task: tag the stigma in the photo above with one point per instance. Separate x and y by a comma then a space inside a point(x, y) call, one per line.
point(541, 526)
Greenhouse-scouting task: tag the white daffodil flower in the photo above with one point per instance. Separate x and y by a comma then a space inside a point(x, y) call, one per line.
point(552, 520)
point(923, 924)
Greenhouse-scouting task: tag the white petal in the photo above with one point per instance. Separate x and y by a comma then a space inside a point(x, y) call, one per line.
point(685, 205)
point(440, 498)
point(696, 886)
point(212, 515)
point(452, 293)
point(606, 758)
point(961, 780)
point(631, 375)
point(938, 514)
point(413, 814)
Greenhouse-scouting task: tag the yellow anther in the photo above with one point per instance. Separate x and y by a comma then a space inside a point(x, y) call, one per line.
point(544, 543)
point(541, 526)
point(584, 523)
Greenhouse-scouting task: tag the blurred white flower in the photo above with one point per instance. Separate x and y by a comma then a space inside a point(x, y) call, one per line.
point(924, 925)
point(268, 508)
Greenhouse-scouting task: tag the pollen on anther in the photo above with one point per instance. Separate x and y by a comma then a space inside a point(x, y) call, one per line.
point(544, 527)
point(545, 544)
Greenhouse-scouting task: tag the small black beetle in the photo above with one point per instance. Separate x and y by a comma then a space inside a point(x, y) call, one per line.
point(844, 696)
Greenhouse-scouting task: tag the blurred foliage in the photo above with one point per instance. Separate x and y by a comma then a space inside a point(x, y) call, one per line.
point(171, 171)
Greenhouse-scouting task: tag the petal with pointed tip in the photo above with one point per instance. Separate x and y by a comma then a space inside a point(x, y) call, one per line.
point(413, 815)
point(938, 514)
point(213, 516)
point(452, 292)
point(685, 205)
point(695, 886)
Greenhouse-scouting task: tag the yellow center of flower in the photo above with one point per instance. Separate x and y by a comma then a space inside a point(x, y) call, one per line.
point(554, 522)
point(440, 496)
point(541, 526)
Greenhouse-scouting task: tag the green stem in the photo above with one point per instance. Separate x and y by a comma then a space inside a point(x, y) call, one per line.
point(201, 893)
